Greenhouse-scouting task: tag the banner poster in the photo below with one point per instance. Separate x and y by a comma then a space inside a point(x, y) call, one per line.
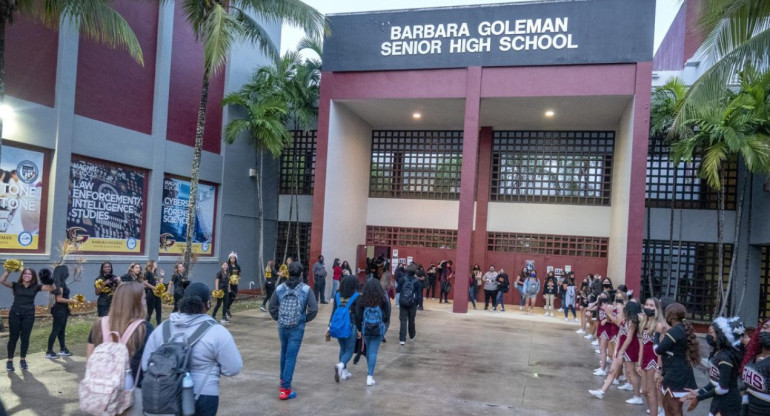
point(105, 212)
point(173, 223)
point(23, 197)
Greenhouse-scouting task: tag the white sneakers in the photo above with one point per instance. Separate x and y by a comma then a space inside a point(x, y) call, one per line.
point(338, 369)
point(595, 343)
point(615, 382)
point(622, 377)
point(600, 372)
point(635, 400)
point(626, 387)
point(597, 393)
point(589, 336)
point(370, 381)
point(346, 374)
point(580, 331)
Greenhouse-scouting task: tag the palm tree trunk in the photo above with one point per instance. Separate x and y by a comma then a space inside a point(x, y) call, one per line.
point(734, 257)
point(260, 212)
point(295, 195)
point(195, 175)
point(748, 243)
point(720, 242)
point(671, 233)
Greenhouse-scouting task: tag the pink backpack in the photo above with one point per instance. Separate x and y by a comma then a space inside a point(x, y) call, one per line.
point(104, 390)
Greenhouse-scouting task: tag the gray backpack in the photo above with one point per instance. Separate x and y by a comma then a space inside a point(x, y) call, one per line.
point(292, 306)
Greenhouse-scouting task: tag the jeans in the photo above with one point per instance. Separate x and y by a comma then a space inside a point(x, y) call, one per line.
point(418, 293)
point(430, 291)
point(206, 405)
point(372, 346)
point(59, 327)
point(406, 315)
point(19, 324)
point(490, 295)
point(520, 288)
point(153, 304)
point(335, 286)
point(347, 346)
point(472, 294)
point(319, 289)
point(566, 308)
point(500, 300)
point(291, 340)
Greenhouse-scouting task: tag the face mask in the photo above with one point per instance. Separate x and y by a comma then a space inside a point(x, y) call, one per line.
point(710, 340)
point(649, 312)
point(764, 339)
point(620, 301)
point(606, 286)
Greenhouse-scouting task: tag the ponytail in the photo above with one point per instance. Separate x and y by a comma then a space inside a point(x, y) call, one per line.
point(693, 347)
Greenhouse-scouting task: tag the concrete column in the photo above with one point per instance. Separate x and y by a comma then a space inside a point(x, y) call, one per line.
point(744, 295)
point(482, 198)
point(467, 189)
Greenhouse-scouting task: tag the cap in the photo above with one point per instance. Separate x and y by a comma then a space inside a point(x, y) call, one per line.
point(198, 289)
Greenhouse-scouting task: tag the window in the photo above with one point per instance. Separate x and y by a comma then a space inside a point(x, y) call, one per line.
point(558, 245)
point(687, 271)
point(295, 251)
point(764, 285)
point(416, 164)
point(411, 237)
point(298, 164)
point(680, 185)
point(568, 167)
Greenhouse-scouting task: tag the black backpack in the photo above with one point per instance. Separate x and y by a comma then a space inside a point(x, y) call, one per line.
point(162, 383)
point(408, 296)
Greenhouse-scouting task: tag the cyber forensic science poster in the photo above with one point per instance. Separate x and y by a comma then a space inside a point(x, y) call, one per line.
point(106, 205)
point(23, 199)
point(173, 224)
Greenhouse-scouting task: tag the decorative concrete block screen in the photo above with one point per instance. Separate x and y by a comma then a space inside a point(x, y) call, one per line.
point(679, 185)
point(298, 164)
point(547, 244)
point(411, 237)
point(686, 271)
point(764, 285)
point(420, 164)
point(566, 167)
point(298, 238)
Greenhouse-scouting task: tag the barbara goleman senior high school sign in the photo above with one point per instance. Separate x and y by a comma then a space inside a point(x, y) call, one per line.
point(547, 33)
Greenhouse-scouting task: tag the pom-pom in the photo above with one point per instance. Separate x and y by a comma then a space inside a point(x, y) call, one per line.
point(234, 279)
point(218, 294)
point(45, 277)
point(160, 290)
point(13, 265)
point(168, 298)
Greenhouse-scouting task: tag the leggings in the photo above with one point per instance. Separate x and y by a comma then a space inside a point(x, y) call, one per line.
point(269, 289)
point(177, 298)
point(20, 324)
point(59, 329)
point(431, 289)
point(153, 304)
point(490, 294)
point(216, 308)
point(548, 301)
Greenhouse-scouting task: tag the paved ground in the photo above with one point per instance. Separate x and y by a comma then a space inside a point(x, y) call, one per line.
point(482, 363)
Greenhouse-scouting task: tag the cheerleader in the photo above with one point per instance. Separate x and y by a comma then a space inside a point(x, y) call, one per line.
point(220, 283)
point(60, 312)
point(154, 303)
point(233, 269)
point(676, 344)
point(648, 361)
point(603, 332)
point(270, 278)
point(756, 373)
point(133, 274)
point(104, 285)
point(725, 338)
point(178, 284)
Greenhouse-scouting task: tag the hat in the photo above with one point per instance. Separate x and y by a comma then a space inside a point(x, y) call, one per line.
point(232, 254)
point(731, 328)
point(198, 289)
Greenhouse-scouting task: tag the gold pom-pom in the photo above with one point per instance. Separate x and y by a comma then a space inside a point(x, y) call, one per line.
point(13, 265)
point(168, 298)
point(99, 284)
point(218, 294)
point(283, 271)
point(234, 279)
point(160, 290)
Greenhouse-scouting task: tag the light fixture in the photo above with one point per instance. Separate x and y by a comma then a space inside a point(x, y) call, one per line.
point(549, 113)
point(6, 111)
point(416, 115)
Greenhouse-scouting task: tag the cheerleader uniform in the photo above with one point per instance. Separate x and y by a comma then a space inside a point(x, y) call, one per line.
point(612, 328)
point(632, 352)
point(756, 376)
point(723, 386)
point(649, 359)
point(602, 330)
point(677, 371)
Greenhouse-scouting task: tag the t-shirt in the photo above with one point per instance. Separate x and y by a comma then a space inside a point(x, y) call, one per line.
point(223, 281)
point(24, 297)
point(105, 299)
point(149, 277)
point(178, 281)
point(64, 290)
point(136, 359)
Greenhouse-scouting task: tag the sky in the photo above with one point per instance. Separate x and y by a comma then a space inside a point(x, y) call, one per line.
point(664, 14)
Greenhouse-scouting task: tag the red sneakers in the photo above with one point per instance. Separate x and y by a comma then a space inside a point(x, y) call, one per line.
point(287, 394)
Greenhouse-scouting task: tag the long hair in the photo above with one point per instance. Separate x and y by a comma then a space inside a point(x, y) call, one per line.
point(60, 275)
point(348, 286)
point(131, 273)
point(372, 294)
point(32, 282)
point(753, 348)
point(677, 312)
point(127, 306)
point(632, 311)
point(101, 270)
point(149, 266)
point(649, 323)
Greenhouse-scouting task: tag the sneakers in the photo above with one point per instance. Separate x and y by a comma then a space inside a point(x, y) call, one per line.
point(502, 309)
point(262, 308)
point(65, 352)
point(521, 308)
point(635, 400)
point(551, 314)
point(412, 339)
point(566, 319)
point(589, 336)
point(622, 378)
point(9, 366)
point(287, 394)
point(597, 393)
point(626, 387)
point(597, 352)
point(580, 331)
point(402, 343)
point(615, 382)
point(346, 374)
point(599, 372)
point(546, 312)
point(338, 368)
point(23, 364)
point(595, 343)
point(225, 321)
point(576, 321)
point(370, 381)
point(51, 355)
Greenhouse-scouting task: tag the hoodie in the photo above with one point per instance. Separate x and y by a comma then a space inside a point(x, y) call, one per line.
point(215, 350)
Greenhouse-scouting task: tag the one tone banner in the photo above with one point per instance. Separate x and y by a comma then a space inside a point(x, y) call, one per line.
point(173, 224)
point(23, 198)
point(522, 34)
point(106, 206)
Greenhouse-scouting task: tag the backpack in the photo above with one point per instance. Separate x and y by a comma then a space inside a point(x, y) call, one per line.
point(162, 383)
point(372, 323)
point(408, 295)
point(532, 289)
point(505, 286)
point(291, 308)
point(340, 326)
point(103, 389)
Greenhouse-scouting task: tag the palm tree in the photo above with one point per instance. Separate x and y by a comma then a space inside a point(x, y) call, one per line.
point(733, 125)
point(217, 24)
point(96, 19)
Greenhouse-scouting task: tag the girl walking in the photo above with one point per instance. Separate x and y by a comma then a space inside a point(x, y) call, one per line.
point(60, 311)
point(372, 315)
point(233, 269)
point(346, 294)
point(550, 290)
point(221, 283)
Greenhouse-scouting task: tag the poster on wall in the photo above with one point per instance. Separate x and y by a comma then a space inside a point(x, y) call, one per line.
point(23, 196)
point(530, 265)
point(173, 223)
point(105, 212)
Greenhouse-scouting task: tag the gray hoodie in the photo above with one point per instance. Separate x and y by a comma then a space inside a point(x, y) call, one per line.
point(216, 350)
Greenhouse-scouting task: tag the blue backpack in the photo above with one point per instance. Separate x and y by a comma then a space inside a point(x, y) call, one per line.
point(373, 325)
point(340, 326)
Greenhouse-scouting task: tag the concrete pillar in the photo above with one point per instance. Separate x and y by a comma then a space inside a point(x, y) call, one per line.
point(482, 198)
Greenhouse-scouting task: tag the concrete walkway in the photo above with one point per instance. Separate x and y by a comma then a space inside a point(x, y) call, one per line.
point(482, 363)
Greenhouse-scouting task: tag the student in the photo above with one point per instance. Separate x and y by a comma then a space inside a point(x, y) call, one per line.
point(270, 281)
point(60, 311)
point(104, 286)
point(133, 274)
point(603, 331)
point(233, 269)
point(520, 281)
point(474, 280)
point(676, 344)
point(531, 289)
point(154, 303)
point(221, 282)
point(447, 274)
point(178, 284)
point(336, 277)
point(372, 316)
point(431, 289)
point(291, 331)
point(319, 274)
point(346, 294)
point(503, 285)
point(550, 290)
point(724, 337)
point(648, 361)
point(567, 294)
point(419, 284)
point(582, 302)
point(407, 306)
point(755, 370)
point(490, 288)
point(21, 317)
point(214, 355)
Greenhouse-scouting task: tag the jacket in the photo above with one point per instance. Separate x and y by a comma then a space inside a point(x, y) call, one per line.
point(311, 307)
point(528, 284)
point(359, 311)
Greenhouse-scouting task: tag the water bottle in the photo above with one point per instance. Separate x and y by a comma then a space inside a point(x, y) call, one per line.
point(188, 396)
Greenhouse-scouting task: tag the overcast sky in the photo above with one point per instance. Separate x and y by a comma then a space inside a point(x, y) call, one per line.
point(664, 15)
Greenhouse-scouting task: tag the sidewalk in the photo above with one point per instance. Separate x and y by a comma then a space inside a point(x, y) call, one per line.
point(482, 363)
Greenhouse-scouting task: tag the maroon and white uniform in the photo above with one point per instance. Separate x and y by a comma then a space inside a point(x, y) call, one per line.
point(602, 329)
point(649, 359)
point(632, 352)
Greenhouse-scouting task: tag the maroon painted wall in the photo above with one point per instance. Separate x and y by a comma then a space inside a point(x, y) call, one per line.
point(682, 39)
point(111, 86)
point(185, 90)
point(30, 61)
